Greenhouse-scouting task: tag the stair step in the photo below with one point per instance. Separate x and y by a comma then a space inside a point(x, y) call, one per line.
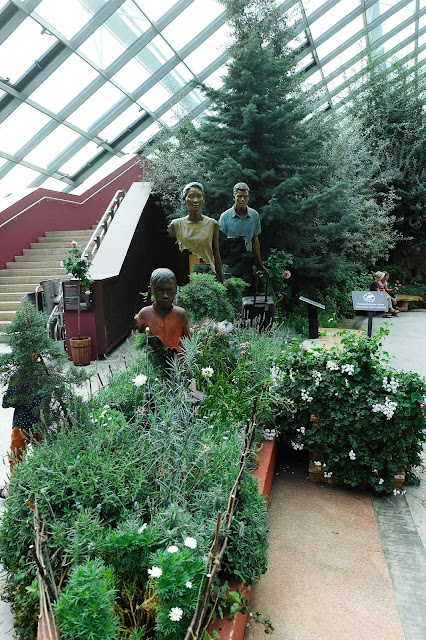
point(3, 324)
point(29, 281)
point(40, 273)
point(32, 258)
point(22, 288)
point(45, 251)
point(10, 305)
point(55, 244)
point(70, 234)
point(2, 338)
point(23, 265)
point(13, 297)
point(7, 315)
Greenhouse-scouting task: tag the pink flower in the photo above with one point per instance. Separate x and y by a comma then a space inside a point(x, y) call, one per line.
point(143, 410)
point(61, 264)
point(87, 292)
point(70, 275)
point(243, 351)
point(286, 274)
point(73, 243)
point(83, 259)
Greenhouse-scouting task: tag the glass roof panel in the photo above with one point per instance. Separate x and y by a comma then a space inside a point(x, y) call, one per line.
point(332, 16)
point(57, 91)
point(15, 59)
point(95, 106)
point(173, 115)
point(161, 50)
point(305, 62)
point(313, 5)
point(79, 159)
point(131, 76)
point(155, 10)
point(154, 98)
point(142, 138)
point(17, 179)
point(393, 21)
point(2, 3)
point(182, 74)
point(19, 127)
point(52, 146)
point(207, 52)
point(345, 33)
point(190, 22)
point(398, 38)
point(215, 79)
point(102, 48)
point(67, 17)
point(54, 184)
point(343, 57)
point(133, 22)
point(120, 123)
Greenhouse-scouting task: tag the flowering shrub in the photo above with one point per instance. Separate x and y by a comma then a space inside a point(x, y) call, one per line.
point(371, 419)
point(77, 264)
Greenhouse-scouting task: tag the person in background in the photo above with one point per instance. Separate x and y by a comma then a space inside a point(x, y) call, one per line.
point(162, 319)
point(390, 292)
point(377, 285)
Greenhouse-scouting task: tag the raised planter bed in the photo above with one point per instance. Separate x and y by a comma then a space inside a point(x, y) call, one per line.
point(234, 629)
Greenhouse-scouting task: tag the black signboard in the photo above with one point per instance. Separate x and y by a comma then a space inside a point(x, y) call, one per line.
point(70, 289)
point(369, 301)
point(312, 316)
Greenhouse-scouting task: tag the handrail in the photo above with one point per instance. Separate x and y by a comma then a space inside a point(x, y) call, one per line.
point(103, 225)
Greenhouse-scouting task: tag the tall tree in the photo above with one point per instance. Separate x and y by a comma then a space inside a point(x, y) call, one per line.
point(389, 106)
point(260, 133)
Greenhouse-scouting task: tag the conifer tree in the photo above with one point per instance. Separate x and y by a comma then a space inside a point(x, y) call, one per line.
point(260, 133)
point(35, 368)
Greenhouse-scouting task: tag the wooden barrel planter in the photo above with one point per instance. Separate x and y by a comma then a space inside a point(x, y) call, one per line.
point(80, 350)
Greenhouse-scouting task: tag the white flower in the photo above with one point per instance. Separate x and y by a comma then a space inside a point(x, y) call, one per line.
point(348, 368)
point(268, 434)
point(391, 385)
point(381, 481)
point(143, 527)
point(302, 429)
point(173, 549)
point(155, 572)
point(140, 380)
point(190, 542)
point(207, 372)
point(305, 395)
point(317, 463)
point(317, 376)
point(333, 366)
point(388, 408)
point(297, 445)
point(176, 614)
point(328, 475)
point(352, 455)
point(277, 376)
point(396, 492)
point(188, 584)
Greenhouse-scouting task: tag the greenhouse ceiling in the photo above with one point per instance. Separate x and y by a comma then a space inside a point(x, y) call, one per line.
point(84, 82)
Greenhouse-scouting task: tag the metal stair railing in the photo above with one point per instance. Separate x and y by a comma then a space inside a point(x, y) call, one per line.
point(98, 235)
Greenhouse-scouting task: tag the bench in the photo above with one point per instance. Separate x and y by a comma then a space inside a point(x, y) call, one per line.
point(403, 300)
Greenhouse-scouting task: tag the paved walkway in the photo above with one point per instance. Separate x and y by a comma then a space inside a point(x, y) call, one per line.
point(344, 565)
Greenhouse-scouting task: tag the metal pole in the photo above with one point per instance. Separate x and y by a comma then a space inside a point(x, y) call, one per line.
point(313, 321)
point(370, 323)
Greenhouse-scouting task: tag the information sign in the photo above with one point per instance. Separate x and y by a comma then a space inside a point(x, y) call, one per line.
point(369, 301)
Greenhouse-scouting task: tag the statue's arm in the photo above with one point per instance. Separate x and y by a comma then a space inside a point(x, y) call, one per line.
point(216, 253)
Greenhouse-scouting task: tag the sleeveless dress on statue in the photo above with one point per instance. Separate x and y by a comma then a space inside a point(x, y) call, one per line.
point(197, 237)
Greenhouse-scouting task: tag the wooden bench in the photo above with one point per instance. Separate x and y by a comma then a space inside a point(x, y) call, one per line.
point(403, 300)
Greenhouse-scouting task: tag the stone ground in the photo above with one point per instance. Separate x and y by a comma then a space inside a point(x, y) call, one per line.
point(343, 565)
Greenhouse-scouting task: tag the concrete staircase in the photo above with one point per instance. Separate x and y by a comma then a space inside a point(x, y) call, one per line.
point(39, 263)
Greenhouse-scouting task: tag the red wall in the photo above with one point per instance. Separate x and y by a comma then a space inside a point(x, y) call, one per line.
point(45, 210)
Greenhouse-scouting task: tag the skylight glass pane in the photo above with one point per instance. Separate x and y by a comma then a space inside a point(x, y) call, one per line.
point(19, 127)
point(304, 63)
point(54, 184)
point(310, 82)
point(298, 41)
point(345, 56)
point(3, 3)
point(155, 10)
point(18, 178)
point(331, 17)
point(207, 52)
point(398, 39)
point(422, 21)
point(343, 35)
point(121, 123)
point(79, 159)
point(15, 58)
point(67, 17)
point(128, 22)
point(52, 146)
point(393, 22)
point(191, 22)
point(131, 76)
point(174, 115)
point(182, 74)
point(215, 79)
point(57, 91)
point(161, 50)
point(142, 138)
point(293, 15)
point(102, 48)
point(154, 98)
point(95, 106)
point(312, 5)
point(402, 51)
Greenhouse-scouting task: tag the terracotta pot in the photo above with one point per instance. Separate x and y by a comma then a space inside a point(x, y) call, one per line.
point(80, 350)
point(399, 480)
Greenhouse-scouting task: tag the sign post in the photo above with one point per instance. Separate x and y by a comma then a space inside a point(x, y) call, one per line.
point(369, 301)
point(312, 316)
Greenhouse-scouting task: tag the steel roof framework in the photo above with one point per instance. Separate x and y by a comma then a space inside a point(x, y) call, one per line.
point(112, 112)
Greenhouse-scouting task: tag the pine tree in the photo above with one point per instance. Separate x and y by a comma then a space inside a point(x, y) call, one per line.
point(35, 368)
point(260, 133)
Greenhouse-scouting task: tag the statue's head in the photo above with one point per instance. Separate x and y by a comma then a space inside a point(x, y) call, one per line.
point(192, 185)
point(163, 287)
point(240, 186)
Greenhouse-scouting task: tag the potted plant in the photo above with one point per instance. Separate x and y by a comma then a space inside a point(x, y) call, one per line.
point(77, 265)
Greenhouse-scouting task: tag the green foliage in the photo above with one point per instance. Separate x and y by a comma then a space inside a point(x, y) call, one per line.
point(34, 369)
point(234, 290)
point(85, 608)
point(278, 264)
point(371, 418)
point(247, 556)
point(77, 264)
point(204, 297)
